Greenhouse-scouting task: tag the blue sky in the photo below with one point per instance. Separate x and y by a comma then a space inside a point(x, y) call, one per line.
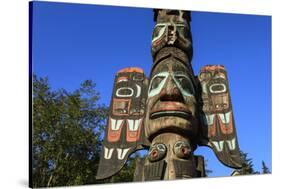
point(74, 42)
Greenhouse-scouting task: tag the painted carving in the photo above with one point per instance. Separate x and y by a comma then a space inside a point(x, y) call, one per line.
point(157, 152)
point(108, 152)
point(133, 130)
point(124, 134)
point(114, 129)
point(171, 113)
point(182, 149)
point(121, 153)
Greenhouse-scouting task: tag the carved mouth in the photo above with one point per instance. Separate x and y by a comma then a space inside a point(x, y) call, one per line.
point(169, 108)
point(182, 114)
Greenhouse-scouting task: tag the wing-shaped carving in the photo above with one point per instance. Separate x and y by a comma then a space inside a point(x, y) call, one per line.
point(124, 133)
point(218, 126)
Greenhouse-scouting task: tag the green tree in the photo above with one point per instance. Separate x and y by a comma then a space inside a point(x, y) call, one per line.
point(66, 134)
point(127, 173)
point(265, 169)
point(247, 165)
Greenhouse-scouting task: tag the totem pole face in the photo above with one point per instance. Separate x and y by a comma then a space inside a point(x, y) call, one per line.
point(172, 30)
point(171, 102)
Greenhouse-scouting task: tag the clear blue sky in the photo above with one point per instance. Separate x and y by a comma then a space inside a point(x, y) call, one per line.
point(73, 42)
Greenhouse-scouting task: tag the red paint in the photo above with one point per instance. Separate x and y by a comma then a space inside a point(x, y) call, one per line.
point(212, 68)
point(212, 128)
point(112, 135)
point(131, 69)
point(133, 136)
point(226, 129)
point(122, 79)
point(185, 151)
point(154, 154)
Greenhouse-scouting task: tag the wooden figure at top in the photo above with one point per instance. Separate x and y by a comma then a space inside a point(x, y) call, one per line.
point(170, 113)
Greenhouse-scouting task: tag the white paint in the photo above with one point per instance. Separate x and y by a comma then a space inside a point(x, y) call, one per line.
point(157, 90)
point(218, 145)
point(184, 91)
point(125, 95)
point(225, 117)
point(217, 84)
point(122, 153)
point(210, 119)
point(161, 32)
point(115, 124)
point(138, 91)
point(204, 87)
point(108, 152)
point(134, 124)
point(231, 144)
point(122, 80)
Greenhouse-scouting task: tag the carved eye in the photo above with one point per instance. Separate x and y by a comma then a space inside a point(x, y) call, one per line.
point(182, 30)
point(158, 31)
point(218, 88)
point(182, 149)
point(124, 92)
point(156, 85)
point(156, 81)
point(161, 147)
point(205, 76)
point(157, 152)
point(185, 83)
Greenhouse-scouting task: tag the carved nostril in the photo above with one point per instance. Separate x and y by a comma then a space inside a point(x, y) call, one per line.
point(175, 91)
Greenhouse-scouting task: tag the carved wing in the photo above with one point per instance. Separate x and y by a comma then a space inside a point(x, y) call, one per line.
point(124, 133)
point(218, 126)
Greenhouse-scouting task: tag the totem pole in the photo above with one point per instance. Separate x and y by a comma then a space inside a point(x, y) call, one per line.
point(171, 113)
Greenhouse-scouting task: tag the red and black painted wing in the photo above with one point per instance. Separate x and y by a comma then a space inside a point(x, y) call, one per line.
point(217, 115)
point(125, 130)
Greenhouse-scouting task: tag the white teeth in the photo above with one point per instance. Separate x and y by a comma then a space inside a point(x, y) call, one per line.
point(231, 144)
point(116, 124)
point(138, 91)
point(122, 153)
point(108, 152)
point(134, 124)
point(225, 117)
point(218, 145)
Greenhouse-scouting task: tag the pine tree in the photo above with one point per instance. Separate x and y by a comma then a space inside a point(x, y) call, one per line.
point(247, 165)
point(265, 169)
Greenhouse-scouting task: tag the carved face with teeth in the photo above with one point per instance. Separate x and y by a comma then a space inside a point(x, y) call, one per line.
point(171, 102)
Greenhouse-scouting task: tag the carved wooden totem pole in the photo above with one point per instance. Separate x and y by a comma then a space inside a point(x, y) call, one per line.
point(171, 113)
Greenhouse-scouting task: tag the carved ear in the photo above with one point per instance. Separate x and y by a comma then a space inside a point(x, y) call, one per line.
point(217, 121)
point(124, 133)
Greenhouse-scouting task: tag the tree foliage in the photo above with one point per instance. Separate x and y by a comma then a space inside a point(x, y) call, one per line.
point(265, 169)
point(127, 173)
point(66, 134)
point(247, 165)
